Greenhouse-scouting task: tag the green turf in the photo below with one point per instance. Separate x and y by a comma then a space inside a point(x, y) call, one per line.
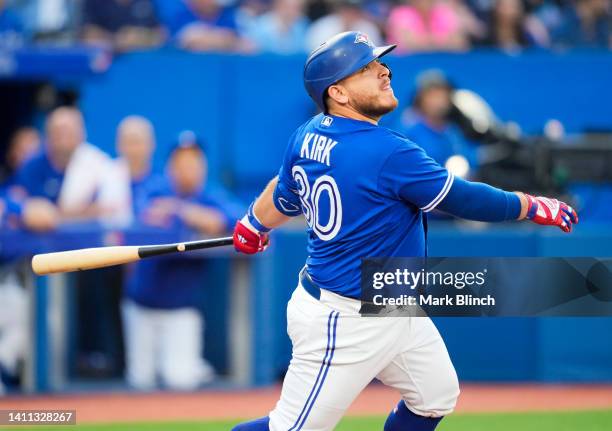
point(538, 421)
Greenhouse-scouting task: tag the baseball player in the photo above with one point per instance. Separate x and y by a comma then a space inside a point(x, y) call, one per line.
point(364, 191)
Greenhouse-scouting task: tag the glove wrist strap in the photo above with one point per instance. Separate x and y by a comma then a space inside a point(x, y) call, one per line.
point(255, 223)
point(533, 207)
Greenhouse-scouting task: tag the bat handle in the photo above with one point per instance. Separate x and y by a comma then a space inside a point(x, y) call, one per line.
point(158, 250)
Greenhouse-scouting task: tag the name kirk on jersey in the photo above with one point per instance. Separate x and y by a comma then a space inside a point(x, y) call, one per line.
point(317, 147)
point(431, 300)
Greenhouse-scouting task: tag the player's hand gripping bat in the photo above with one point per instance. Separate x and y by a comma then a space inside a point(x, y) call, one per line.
point(90, 258)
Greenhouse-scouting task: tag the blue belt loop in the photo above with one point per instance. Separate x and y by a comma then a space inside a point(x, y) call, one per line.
point(309, 285)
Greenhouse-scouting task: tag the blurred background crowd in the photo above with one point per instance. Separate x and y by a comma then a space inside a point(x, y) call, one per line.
point(164, 144)
point(296, 26)
point(57, 178)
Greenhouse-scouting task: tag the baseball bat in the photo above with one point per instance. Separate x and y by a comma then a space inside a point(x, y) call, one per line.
point(100, 257)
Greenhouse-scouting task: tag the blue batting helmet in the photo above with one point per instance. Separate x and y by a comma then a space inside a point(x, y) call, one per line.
point(337, 58)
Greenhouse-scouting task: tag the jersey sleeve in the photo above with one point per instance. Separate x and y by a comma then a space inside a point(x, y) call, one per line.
point(481, 202)
point(409, 174)
point(286, 198)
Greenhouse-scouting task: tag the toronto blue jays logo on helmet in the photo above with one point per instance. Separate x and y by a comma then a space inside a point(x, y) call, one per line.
point(363, 38)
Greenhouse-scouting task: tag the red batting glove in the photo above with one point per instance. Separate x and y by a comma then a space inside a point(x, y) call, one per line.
point(552, 212)
point(249, 241)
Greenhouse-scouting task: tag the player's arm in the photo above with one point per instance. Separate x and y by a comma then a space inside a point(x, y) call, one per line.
point(478, 201)
point(274, 207)
point(264, 208)
point(277, 203)
point(429, 186)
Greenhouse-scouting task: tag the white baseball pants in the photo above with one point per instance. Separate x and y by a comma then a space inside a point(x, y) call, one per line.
point(336, 353)
point(14, 321)
point(166, 344)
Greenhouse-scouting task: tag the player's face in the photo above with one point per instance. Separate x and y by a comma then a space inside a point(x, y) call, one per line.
point(369, 90)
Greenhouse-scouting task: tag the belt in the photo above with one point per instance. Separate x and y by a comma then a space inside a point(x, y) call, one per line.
point(309, 285)
point(315, 291)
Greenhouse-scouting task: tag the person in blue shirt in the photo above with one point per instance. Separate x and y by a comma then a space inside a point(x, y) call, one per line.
point(585, 24)
point(282, 30)
point(42, 176)
point(163, 325)
point(122, 24)
point(205, 25)
point(70, 179)
point(24, 144)
point(364, 191)
point(14, 301)
point(427, 123)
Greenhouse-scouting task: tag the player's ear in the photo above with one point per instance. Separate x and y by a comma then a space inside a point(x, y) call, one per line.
point(338, 93)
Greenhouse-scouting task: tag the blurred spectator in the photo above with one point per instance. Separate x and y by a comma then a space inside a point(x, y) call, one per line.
point(317, 9)
point(206, 25)
point(24, 144)
point(184, 201)
point(11, 28)
point(427, 121)
point(282, 30)
point(135, 146)
point(98, 311)
point(49, 20)
point(587, 25)
point(14, 320)
point(123, 24)
point(70, 179)
point(545, 17)
point(507, 26)
point(347, 15)
point(248, 12)
point(163, 325)
point(14, 307)
point(474, 27)
point(482, 8)
point(378, 11)
point(427, 25)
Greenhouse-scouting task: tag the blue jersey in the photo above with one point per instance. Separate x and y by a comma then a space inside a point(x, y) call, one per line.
point(363, 190)
point(143, 189)
point(224, 18)
point(171, 282)
point(40, 178)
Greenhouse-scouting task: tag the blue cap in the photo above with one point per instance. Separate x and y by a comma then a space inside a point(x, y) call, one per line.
point(337, 58)
point(187, 139)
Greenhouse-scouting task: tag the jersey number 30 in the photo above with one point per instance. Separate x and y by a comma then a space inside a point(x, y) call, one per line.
point(311, 198)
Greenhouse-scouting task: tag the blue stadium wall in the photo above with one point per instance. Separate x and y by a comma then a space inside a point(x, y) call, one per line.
point(247, 107)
